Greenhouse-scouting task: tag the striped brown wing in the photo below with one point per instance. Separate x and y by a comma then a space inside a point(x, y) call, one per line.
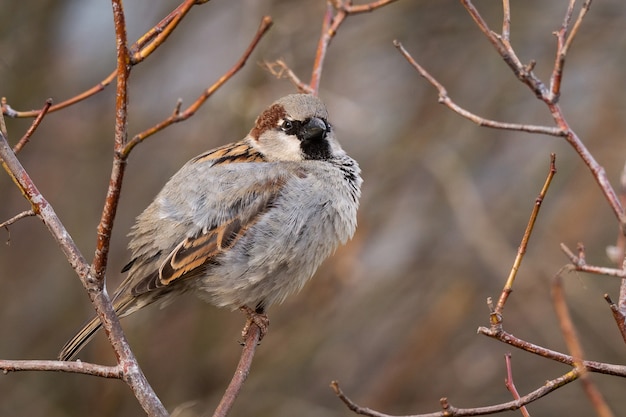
point(193, 254)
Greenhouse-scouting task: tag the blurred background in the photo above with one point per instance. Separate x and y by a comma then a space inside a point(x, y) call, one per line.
point(393, 315)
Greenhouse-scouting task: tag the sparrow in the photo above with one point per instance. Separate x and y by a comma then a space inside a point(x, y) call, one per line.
point(246, 224)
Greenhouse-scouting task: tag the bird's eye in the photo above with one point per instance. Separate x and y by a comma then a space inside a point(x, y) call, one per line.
point(287, 125)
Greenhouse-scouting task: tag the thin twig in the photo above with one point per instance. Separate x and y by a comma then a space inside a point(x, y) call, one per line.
point(574, 346)
point(8, 111)
point(572, 34)
point(510, 384)
point(77, 261)
point(521, 251)
point(506, 21)
point(559, 61)
point(150, 41)
point(177, 115)
point(618, 256)
point(42, 208)
point(24, 140)
point(525, 74)
point(450, 411)
point(105, 226)
point(364, 8)
point(17, 217)
point(618, 316)
point(330, 26)
point(155, 37)
point(133, 376)
point(591, 366)
point(279, 69)
point(445, 99)
point(579, 264)
point(3, 106)
point(241, 373)
point(57, 366)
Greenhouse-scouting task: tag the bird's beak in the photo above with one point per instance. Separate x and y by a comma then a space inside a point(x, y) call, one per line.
point(315, 129)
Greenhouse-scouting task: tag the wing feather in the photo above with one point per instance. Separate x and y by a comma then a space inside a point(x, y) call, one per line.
point(195, 253)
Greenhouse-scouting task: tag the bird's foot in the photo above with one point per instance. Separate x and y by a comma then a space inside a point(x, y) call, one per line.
point(256, 317)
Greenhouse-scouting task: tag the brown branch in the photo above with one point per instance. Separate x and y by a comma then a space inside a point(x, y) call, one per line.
point(591, 366)
point(336, 13)
point(620, 258)
point(57, 366)
point(42, 208)
point(252, 339)
point(177, 115)
point(155, 37)
point(450, 411)
point(574, 346)
point(506, 21)
point(24, 140)
point(524, 73)
point(105, 226)
point(510, 385)
point(596, 169)
point(579, 264)
point(496, 315)
point(360, 8)
point(77, 261)
point(330, 25)
point(617, 316)
point(581, 15)
point(17, 217)
point(133, 376)
point(8, 111)
point(140, 50)
point(445, 99)
point(557, 72)
point(279, 69)
point(3, 126)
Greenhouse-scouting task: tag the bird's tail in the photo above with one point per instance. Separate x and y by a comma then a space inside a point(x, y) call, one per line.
point(75, 344)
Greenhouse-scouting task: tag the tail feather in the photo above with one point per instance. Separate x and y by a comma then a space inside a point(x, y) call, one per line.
point(75, 344)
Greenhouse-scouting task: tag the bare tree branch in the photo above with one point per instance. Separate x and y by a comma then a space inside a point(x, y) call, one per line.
point(617, 316)
point(253, 336)
point(149, 41)
point(579, 264)
point(336, 13)
point(58, 366)
point(480, 121)
point(449, 411)
point(177, 115)
point(510, 385)
point(24, 140)
point(17, 217)
point(100, 299)
point(574, 346)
